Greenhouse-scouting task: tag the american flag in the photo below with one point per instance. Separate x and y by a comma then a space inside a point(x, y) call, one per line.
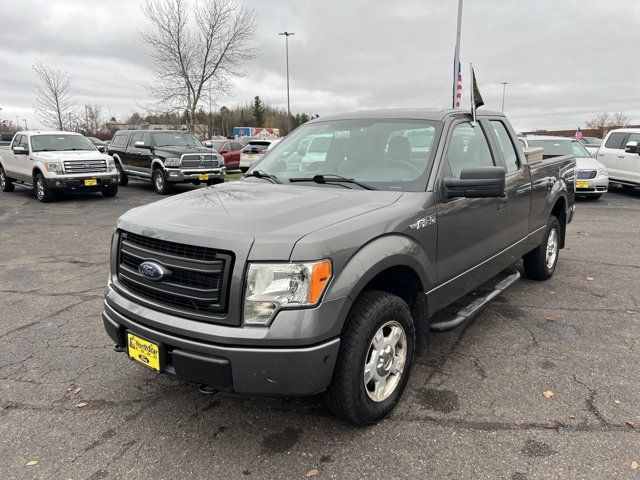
point(578, 134)
point(459, 87)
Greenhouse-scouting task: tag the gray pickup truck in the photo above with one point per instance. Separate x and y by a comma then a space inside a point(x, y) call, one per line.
point(324, 276)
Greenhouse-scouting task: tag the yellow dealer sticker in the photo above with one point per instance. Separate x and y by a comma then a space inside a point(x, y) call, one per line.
point(143, 351)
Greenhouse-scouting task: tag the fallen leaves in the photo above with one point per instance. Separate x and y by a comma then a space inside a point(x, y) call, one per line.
point(573, 416)
point(75, 391)
point(547, 394)
point(82, 405)
point(31, 463)
point(616, 402)
point(631, 423)
point(312, 473)
point(589, 279)
point(550, 318)
point(630, 312)
point(634, 464)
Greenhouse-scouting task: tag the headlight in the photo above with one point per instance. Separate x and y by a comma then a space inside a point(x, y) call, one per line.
point(111, 164)
point(603, 171)
point(271, 287)
point(55, 167)
point(221, 160)
point(172, 162)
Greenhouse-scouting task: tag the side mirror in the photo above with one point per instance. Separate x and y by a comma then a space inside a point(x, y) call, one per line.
point(631, 147)
point(476, 182)
point(20, 151)
point(223, 151)
point(140, 144)
point(207, 144)
point(102, 149)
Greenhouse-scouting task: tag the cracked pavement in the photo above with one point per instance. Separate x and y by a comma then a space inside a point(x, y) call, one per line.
point(474, 407)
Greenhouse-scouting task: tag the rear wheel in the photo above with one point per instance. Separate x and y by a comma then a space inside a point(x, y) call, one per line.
point(375, 359)
point(540, 263)
point(6, 185)
point(160, 183)
point(244, 169)
point(628, 187)
point(43, 193)
point(110, 191)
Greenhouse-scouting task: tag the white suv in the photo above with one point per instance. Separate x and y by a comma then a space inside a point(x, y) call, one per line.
point(620, 153)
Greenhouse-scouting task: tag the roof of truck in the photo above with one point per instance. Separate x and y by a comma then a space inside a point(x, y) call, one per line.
point(438, 114)
point(47, 132)
point(549, 137)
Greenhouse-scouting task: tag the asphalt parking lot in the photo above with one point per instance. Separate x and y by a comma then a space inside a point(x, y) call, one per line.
point(474, 407)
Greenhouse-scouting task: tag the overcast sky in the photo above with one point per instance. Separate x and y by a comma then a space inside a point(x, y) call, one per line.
point(565, 60)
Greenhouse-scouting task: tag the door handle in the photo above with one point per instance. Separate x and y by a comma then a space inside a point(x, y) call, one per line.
point(620, 156)
point(601, 154)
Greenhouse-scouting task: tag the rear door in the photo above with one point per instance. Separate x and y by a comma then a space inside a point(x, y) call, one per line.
point(611, 152)
point(135, 158)
point(629, 164)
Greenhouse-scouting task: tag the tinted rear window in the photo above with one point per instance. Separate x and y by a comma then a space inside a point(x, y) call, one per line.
point(119, 139)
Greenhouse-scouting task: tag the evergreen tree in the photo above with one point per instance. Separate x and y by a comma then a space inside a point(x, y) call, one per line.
point(258, 112)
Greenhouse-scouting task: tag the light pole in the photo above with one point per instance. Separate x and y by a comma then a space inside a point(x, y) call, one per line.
point(17, 123)
point(456, 57)
point(287, 35)
point(25, 124)
point(504, 89)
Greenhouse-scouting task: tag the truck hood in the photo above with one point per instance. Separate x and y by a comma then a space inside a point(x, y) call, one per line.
point(268, 218)
point(70, 155)
point(179, 151)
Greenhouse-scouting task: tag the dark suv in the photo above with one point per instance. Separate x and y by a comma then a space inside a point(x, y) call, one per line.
point(165, 157)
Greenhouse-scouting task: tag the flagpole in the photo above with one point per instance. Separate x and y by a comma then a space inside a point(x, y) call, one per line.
point(456, 55)
point(472, 80)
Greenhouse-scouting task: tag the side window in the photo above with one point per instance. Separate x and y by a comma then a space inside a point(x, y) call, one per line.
point(468, 148)
point(227, 147)
point(137, 137)
point(616, 140)
point(146, 138)
point(634, 137)
point(16, 141)
point(508, 151)
point(236, 146)
point(522, 144)
point(24, 142)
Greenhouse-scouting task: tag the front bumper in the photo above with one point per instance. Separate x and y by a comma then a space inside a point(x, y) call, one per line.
point(593, 186)
point(295, 356)
point(78, 182)
point(194, 174)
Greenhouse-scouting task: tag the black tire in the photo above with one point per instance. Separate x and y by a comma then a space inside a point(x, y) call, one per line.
point(596, 196)
point(628, 187)
point(110, 191)
point(215, 181)
point(537, 265)
point(159, 181)
point(124, 178)
point(244, 169)
point(6, 185)
point(43, 193)
point(348, 397)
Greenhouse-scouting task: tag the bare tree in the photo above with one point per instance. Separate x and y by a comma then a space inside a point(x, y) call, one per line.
point(54, 101)
point(619, 119)
point(93, 118)
point(196, 57)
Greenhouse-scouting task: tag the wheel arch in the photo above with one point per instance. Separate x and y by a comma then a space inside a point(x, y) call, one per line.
point(559, 210)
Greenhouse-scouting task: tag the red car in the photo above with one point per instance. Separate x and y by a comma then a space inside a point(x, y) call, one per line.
point(230, 150)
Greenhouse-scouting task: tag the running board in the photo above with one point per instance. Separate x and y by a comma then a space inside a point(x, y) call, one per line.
point(474, 307)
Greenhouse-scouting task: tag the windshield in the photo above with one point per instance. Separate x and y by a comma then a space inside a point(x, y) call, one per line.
point(60, 142)
point(388, 154)
point(175, 139)
point(560, 147)
point(592, 140)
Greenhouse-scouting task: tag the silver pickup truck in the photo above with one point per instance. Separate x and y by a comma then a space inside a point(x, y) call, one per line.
point(324, 276)
point(52, 162)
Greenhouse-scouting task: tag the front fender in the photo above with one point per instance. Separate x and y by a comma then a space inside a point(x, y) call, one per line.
point(376, 256)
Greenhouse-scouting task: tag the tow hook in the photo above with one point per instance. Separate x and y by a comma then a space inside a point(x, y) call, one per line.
point(207, 390)
point(118, 348)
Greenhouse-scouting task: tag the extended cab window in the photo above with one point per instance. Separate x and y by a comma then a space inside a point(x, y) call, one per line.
point(137, 137)
point(468, 148)
point(24, 142)
point(616, 140)
point(508, 150)
point(16, 141)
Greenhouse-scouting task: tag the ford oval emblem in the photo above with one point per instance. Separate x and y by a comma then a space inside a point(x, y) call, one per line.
point(151, 271)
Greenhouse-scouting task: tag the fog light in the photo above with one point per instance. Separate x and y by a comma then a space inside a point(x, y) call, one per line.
point(173, 174)
point(58, 183)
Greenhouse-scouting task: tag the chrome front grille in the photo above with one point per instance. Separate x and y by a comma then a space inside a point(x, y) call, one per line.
point(586, 174)
point(200, 160)
point(196, 283)
point(85, 166)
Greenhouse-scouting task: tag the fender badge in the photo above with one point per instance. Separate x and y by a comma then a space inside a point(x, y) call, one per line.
point(423, 222)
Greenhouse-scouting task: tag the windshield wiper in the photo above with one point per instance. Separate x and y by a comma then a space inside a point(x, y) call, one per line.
point(332, 177)
point(261, 174)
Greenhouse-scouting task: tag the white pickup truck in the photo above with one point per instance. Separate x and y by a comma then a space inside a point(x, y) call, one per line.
point(56, 161)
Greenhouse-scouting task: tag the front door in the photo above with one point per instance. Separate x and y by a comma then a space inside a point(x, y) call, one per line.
point(23, 164)
point(629, 164)
point(469, 229)
point(611, 152)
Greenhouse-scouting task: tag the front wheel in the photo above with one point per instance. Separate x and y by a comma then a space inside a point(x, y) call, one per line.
point(375, 359)
point(124, 179)
point(244, 169)
point(6, 185)
point(110, 191)
point(215, 181)
point(43, 193)
point(540, 263)
point(160, 183)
